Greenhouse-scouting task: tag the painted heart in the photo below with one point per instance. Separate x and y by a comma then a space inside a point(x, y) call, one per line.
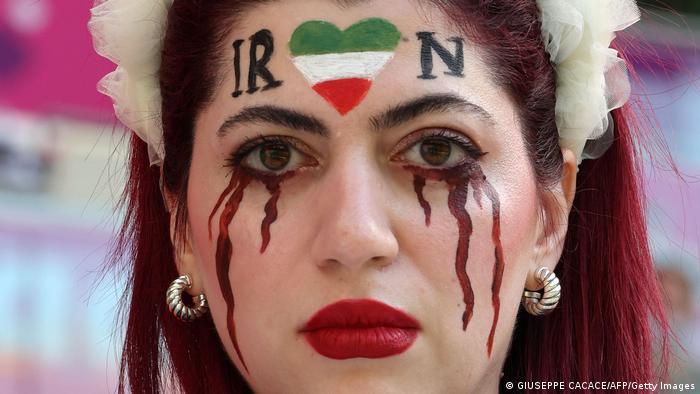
point(340, 65)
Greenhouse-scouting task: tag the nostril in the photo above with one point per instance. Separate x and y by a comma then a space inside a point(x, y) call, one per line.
point(381, 261)
point(328, 263)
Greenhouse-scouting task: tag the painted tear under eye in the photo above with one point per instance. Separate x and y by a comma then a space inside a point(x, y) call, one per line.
point(240, 179)
point(459, 178)
point(224, 251)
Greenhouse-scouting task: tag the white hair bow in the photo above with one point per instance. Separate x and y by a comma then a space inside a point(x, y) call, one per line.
point(591, 79)
point(130, 33)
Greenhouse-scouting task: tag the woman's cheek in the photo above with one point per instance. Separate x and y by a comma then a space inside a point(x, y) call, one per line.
point(463, 180)
point(244, 226)
point(480, 248)
point(519, 234)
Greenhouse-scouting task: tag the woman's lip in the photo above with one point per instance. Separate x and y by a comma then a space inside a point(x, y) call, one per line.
point(360, 328)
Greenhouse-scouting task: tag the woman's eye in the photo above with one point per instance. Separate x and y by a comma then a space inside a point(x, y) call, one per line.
point(271, 156)
point(436, 152)
point(275, 156)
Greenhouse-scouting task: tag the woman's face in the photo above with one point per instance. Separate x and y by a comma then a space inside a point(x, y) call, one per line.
point(376, 164)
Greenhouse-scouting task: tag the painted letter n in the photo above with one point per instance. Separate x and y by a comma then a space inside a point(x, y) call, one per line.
point(455, 63)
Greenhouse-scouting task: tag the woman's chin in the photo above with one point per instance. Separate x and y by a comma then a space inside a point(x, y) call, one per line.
point(357, 377)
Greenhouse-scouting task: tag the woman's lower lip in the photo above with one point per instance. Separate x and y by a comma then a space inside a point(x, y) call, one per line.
point(369, 342)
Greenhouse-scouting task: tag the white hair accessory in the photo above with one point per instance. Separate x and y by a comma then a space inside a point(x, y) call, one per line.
point(130, 34)
point(591, 79)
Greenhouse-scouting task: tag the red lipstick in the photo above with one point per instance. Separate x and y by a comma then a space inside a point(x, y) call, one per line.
point(360, 328)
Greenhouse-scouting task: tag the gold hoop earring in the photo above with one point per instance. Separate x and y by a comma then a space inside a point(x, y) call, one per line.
point(541, 304)
point(173, 297)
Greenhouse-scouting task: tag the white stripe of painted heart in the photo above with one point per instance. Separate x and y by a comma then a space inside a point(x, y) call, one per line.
point(332, 66)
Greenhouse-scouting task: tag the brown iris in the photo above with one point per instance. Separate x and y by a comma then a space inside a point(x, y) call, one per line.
point(275, 156)
point(435, 151)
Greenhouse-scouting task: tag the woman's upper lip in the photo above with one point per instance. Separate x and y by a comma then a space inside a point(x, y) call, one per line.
point(360, 313)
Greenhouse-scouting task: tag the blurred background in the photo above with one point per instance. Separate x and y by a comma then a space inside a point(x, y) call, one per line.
point(61, 171)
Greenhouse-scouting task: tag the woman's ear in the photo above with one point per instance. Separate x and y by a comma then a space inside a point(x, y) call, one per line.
point(180, 239)
point(554, 212)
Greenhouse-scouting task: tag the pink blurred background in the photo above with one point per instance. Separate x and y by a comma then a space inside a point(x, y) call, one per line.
point(61, 166)
point(55, 205)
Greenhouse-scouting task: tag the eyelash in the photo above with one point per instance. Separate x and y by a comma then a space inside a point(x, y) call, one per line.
point(465, 144)
point(250, 144)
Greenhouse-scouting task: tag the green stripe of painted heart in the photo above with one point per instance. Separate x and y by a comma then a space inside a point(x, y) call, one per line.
point(321, 37)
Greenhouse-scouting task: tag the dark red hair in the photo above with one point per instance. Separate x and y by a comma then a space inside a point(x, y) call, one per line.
point(605, 325)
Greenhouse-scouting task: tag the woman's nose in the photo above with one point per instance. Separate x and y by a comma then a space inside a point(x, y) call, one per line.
point(354, 228)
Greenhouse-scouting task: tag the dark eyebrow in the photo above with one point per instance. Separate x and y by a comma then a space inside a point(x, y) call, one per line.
point(277, 116)
point(414, 108)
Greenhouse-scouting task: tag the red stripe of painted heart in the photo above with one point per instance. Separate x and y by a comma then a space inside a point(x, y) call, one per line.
point(343, 94)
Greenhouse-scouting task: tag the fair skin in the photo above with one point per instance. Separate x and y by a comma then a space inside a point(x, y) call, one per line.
point(349, 223)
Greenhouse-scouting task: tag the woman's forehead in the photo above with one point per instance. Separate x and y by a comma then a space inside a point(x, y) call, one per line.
point(350, 62)
point(290, 13)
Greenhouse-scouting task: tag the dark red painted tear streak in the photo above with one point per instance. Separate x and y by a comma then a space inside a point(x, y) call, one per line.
point(223, 256)
point(223, 195)
point(457, 201)
point(224, 249)
point(459, 178)
point(418, 184)
point(270, 212)
point(272, 183)
point(498, 265)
